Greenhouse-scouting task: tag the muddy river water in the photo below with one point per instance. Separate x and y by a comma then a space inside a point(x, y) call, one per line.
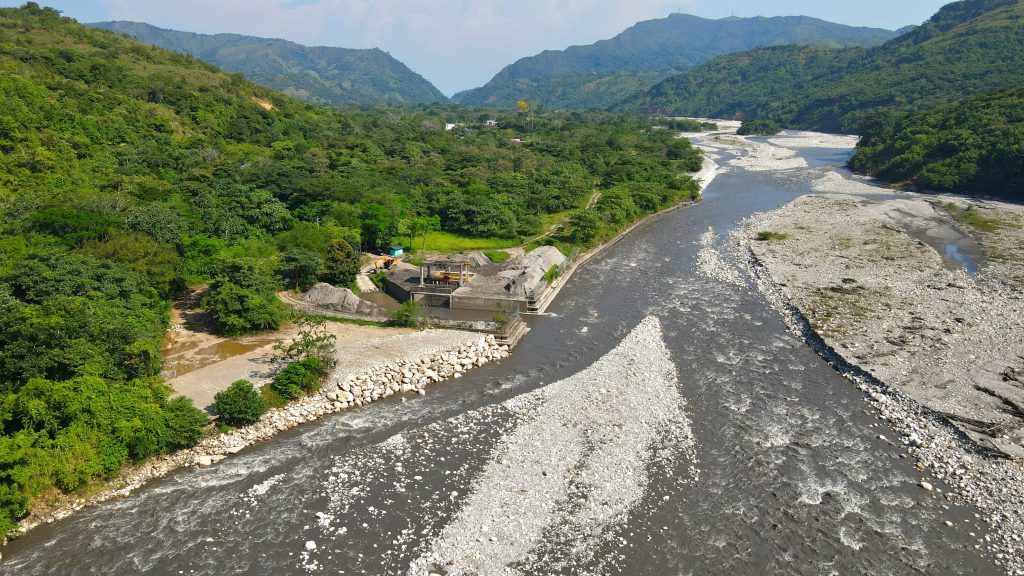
point(779, 468)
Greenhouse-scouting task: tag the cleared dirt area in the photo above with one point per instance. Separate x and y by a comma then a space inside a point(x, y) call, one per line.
point(198, 364)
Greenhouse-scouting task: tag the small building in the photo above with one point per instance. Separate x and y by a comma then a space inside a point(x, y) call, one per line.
point(395, 251)
point(491, 124)
point(458, 282)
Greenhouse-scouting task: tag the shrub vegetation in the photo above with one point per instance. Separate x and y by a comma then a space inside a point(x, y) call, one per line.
point(975, 146)
point(239, 404)
point(762, 127)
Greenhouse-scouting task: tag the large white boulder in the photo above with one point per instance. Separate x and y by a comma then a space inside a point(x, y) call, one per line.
point(324, 295)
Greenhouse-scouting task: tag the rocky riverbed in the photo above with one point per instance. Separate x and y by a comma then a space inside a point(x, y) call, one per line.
point(573, 467)
point(635, 383)
point(430, 357)
point(938, 352)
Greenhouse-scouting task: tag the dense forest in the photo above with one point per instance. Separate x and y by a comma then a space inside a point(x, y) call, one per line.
point(599, 75)
point(317, 74)
point(976, 145)
point(128, 172)
point(967, 48)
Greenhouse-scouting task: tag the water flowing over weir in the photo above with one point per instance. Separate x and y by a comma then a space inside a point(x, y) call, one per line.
point(660, 420)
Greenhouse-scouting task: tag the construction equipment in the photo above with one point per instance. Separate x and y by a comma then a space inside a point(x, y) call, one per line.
point(384, 263)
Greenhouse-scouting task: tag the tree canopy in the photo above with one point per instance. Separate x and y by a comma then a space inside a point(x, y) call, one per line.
point(128, 172)
point(975, 146)
point(967, 48)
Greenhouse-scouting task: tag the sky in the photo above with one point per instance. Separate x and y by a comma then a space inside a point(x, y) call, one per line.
point(461, 44)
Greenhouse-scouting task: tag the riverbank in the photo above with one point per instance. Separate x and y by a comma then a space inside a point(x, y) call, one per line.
point(345, 390)
point(709, 170)
point(413, 362)
point(938, 352)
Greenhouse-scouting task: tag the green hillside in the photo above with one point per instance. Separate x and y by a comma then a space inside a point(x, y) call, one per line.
point(320, 75)
point(599, 74)
point(975, 146)
point(128, 172)
point(967, 48)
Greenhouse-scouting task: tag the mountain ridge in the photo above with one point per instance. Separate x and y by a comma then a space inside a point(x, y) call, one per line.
point(966, 48)
point(648, 51)
point(317, 74)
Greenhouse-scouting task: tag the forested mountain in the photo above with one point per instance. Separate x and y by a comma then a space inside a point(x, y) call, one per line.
point(128, 172)
point(600, 74)
point(976, 146)
point(320, 75)
point(967, 48)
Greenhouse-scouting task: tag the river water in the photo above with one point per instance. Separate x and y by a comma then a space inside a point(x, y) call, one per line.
point(785, 471)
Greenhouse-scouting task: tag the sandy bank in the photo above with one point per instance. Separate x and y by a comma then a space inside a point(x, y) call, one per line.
point(751, 155)
point(207, 368)
point(801, 139)
point(890, 303)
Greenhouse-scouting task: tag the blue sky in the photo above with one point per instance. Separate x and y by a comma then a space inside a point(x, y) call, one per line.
point(460, 44)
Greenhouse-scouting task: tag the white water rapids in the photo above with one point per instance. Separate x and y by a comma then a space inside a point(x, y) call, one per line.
point(576, 464)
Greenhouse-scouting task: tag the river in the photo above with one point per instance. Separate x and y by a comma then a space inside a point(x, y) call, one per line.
point(784, 471)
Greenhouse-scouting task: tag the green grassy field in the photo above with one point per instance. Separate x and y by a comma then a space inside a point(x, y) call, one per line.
point(497, 256)
point(448, 242)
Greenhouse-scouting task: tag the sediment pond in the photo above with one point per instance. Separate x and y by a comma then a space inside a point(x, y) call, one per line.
point(766, 462)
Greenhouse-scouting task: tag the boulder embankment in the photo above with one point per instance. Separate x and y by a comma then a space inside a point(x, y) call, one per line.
point(435, 356)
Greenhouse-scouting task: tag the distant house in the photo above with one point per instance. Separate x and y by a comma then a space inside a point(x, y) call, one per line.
point(449, 127)
point(516, 140)
point(491, 124)
point(395, 251)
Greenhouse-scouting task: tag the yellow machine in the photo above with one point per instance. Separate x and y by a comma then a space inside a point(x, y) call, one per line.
point(384, 263)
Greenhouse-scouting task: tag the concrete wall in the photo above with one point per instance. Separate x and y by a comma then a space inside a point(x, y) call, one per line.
point(395, 290)
point(432, 300)
point(485, 304)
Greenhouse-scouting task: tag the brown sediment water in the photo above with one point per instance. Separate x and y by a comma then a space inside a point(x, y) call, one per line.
point(381, 299)
point(185, 357)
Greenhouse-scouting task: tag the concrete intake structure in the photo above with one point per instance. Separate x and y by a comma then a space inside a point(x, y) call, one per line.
point(458, 282)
